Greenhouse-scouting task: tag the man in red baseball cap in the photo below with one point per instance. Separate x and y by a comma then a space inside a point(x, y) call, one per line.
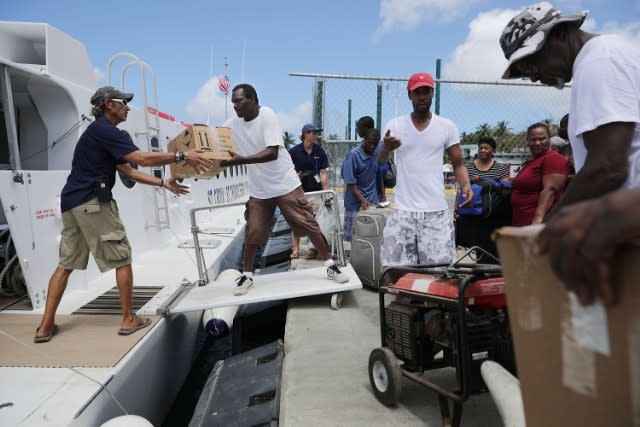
point(420, 229)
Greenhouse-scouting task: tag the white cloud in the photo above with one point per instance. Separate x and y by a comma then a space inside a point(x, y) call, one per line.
point(480, 56)
point(292, 122)
point(209, 105)
point(406, 15)
point(630, 30)
point(99, 75)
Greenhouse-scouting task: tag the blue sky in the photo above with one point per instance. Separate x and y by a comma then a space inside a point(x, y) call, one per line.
point(375, 38)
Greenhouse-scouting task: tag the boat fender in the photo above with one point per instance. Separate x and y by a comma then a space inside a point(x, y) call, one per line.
point(505, 390)
point(219, 321)
point(127, 421)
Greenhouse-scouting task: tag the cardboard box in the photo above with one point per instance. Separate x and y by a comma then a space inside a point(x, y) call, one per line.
point(215, 142)
point(578, 366)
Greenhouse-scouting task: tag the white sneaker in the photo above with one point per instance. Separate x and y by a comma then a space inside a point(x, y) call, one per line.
point(243, 284)
point(334, 273)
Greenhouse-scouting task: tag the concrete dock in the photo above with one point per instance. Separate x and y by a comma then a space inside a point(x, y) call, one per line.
point(325, 380)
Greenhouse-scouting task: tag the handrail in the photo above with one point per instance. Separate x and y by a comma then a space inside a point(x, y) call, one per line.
point(337, 235)
point(203, 277)
point(135, 61)
point(10, 123)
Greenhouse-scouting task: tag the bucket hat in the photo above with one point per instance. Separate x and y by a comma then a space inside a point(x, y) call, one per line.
point(527, 32)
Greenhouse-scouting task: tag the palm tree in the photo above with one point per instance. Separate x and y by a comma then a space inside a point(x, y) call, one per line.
point(502, 134)
point(484, 129)
point(501, 129)
point(288, 140)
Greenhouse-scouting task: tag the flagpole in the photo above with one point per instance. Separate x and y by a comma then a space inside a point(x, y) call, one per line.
point(244, 45)
point(227, 92)
point(210, 76)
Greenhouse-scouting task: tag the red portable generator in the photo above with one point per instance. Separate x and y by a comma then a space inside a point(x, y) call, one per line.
point(440, 317)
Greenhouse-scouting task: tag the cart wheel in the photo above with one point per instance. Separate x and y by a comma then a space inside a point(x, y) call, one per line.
point(385, 375)
point(336, 301)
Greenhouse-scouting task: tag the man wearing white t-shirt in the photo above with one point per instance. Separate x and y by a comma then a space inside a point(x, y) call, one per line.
point(420, 228)
point(604, 124)
point(273, 181)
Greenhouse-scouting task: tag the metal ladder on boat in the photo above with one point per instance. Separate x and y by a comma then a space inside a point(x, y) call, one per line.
point(151, 132)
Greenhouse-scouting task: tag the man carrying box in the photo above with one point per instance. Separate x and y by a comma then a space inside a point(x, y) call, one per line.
point(273, 181)
point(544, 45)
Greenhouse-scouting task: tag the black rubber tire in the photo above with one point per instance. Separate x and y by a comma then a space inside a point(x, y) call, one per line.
point(385, 376)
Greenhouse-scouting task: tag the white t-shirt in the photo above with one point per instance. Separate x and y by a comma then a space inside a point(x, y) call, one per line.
point(606, 89)
point(420, 181)
point(270, 179)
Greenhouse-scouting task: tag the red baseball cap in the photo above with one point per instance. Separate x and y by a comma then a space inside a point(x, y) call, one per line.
point(420, 79)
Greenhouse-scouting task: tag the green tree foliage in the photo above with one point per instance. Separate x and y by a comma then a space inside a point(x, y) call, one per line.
point(507, 141)
point(288, 139)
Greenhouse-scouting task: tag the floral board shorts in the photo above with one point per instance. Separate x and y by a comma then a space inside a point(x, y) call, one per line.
point(418, 238)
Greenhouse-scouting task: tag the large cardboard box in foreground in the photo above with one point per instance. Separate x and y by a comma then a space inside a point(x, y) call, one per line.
point(578, 366)
point(215, 142)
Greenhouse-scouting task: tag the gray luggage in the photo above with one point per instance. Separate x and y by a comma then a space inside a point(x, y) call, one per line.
point(365, 245)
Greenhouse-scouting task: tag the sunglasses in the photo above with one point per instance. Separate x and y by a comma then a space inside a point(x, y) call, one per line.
point(124, 102)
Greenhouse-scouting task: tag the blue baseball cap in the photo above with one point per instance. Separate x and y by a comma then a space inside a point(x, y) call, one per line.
point(310, 127)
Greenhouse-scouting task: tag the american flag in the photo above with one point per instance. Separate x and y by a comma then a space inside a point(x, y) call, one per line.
point(223, 85)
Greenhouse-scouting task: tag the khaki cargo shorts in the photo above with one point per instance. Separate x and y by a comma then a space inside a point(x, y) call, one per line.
point(94, 227)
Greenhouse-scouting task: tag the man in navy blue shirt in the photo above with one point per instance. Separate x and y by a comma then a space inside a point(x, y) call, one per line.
point(90, 218)
point(311, 163)
point(359, 173)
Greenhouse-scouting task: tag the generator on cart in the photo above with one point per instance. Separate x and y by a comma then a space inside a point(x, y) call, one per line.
point(442, 316)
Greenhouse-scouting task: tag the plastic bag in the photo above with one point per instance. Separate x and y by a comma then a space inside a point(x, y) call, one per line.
point(326, 219)
point(389, 178)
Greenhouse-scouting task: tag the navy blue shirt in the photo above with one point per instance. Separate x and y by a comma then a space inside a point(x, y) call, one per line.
point(309, 163)
point(361, 169)
point(98, 152)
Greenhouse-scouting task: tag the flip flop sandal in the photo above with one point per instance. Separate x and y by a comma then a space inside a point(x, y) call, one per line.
point(139, 326)
point(45, 338)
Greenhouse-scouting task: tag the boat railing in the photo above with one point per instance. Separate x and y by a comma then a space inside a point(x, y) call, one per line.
point(151, 132)
point(203, 277)
point(6, 92)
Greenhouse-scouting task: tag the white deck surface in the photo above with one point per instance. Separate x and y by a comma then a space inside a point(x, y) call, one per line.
point(276, 286)
point(48, 396)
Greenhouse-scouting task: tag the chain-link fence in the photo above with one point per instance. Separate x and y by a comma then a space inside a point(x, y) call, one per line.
point(498, 109)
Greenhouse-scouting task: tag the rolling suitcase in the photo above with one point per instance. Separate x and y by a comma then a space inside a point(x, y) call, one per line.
point(365, 245)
